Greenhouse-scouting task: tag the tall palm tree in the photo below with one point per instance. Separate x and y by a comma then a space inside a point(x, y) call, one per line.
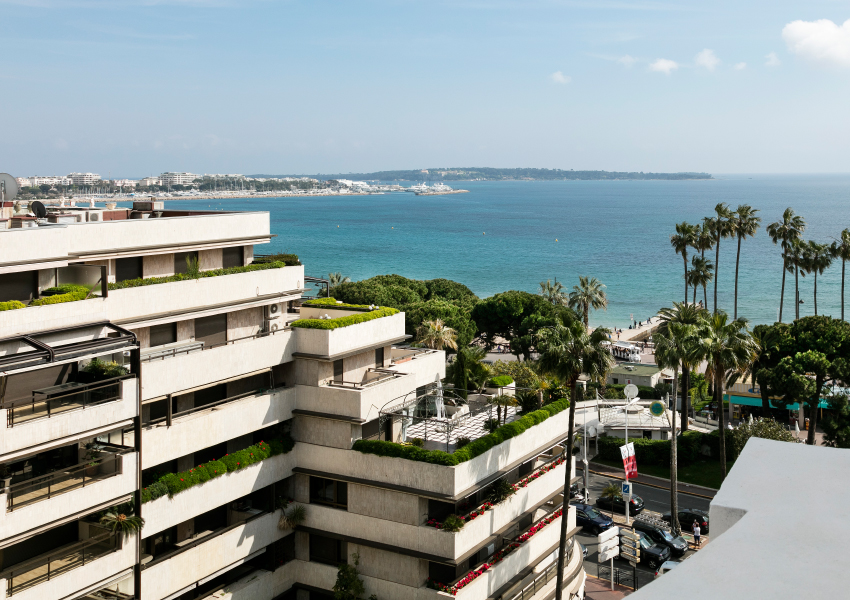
point(702, 272)
point(841, 250)
point(566, 351)
point(690, 315)
point(744, 224)
point(589, 293)
point(335, 279)
point(683, 239)
point(436, 335)
point(766, 340)
point(784, 233)
point(704, 239)
point(553, 292)
point(720, 228)
point(818, 259)
point(728, 348)
point(798, 261)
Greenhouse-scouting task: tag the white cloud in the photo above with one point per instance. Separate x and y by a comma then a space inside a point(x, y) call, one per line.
point(559, 77)
point(627, 61)
point(822, 42)
point(707, 59)
point(772, 60)
point(741, 66)
point(663, 65)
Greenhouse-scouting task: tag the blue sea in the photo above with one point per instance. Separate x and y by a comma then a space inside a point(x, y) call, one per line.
point(515, 234)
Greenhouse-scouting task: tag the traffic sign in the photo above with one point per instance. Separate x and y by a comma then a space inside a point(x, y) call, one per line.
point(627, 543)
point(607, 535)
point(606, 556)
point(627, 488)
point(628, 555)
point(632, 563)
point(608, 544)
point(657, 408)
point(628, 533)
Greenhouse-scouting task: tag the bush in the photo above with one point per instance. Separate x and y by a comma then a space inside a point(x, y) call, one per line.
point(500, 381)
point(141, 282)
point(491, 425)
point(154, 491)
point(461, 442)
point(344, 321)
point(66, 288)
point(73, 296)
point(290, 260)
point(453, 523)
point(418, 442)
point(11, 305)
point(332, 303)
point(102, 369)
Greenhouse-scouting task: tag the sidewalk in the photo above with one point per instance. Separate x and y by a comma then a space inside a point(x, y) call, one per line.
point(597, 589)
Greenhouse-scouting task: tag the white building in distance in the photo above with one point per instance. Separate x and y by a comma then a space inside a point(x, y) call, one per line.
point(148, 181)
point(84, 178)
point(174, 178)
point(122, 183)
point(37, 180)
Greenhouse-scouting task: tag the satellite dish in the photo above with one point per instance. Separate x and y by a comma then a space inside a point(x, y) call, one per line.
point(38, 209)
point(630, 391)
point(8, 187)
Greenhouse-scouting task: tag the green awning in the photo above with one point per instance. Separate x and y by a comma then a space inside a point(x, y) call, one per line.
point(752, 401)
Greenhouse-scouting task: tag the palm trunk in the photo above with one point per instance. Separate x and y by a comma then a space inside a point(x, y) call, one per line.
point(686, 397)
point(737, 264)
point(695, 293)
point(816, 293)
point(562, 546)
point(674, 490)
point(796, 292)
point(782, 293)
point(721, 419)
point(843, 262)
point(813, 411)
point(716, 270)
point(705, 297)
point(685, 256)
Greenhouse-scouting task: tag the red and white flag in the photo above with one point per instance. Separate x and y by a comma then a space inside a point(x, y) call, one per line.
point(629, 461)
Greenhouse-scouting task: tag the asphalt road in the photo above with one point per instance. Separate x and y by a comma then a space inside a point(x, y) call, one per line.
point(654, 499)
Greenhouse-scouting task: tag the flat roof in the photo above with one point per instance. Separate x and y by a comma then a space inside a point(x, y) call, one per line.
point(641, 369)
point(778, 529)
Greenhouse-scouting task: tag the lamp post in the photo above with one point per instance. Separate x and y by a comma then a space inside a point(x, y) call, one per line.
point(631, 393)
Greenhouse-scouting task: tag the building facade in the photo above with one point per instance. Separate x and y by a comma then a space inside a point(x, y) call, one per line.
point(178, 178)
point(84, 178)
point(245, 429)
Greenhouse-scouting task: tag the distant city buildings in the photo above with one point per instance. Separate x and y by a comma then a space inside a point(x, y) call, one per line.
point(174, 178)
point(149, 181)
point(84, 178)
point(125, 183)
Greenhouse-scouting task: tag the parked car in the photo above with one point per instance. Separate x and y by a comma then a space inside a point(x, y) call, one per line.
point(667, 566)
point(687, 517)
point(590, 519)
point(583, 549)
point(618, 505)
point(651, 554)
point(658, 534)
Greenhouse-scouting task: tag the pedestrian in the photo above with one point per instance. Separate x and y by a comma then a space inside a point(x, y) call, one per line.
point(696, 534)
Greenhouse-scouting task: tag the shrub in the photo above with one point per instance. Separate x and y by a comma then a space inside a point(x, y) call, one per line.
point(214, 468)
point(453, 523)
point(500, 491)
point(65, 288)
point(500, 381)
point(154, 491)
point(461, 442)
point(102, 369)
point(73, 296)
point(11, 305)
point(418, 442)
point(344, 321)
point(290, 260)
point(141, 282)
point(491, 425)
point(332, 303)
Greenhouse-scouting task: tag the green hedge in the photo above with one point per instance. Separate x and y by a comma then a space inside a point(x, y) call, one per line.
point(131, 283)
point(469, 451)
point(332, 303)
point(11, 305)
point(174, 483)
point(500, 381)
point(344, 321)
point(66, 293)
point(657, 452)
point(291, 260)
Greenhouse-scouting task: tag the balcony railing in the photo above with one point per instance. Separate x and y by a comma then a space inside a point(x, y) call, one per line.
point(372, 377)
point(174, 415)
point(45, 487)
point(188, 348)
point(57, 400)
point(58, 562)
point(528, 589)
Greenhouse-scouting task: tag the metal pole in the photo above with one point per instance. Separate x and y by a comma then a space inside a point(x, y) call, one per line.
point(612, 573)
point(626, 415)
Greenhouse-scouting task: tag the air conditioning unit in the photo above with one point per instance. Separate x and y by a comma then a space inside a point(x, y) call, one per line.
point(273, 311)
point(273, 326)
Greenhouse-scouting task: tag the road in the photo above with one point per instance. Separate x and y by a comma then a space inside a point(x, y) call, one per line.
point(656, 500)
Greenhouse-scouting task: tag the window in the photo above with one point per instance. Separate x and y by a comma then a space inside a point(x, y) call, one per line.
point(616, 381)
point(329, 492)
point(379, 357)
point(232, 257)
point(326, 550)
point(338, 370)
point(128, 268)
point(371, 430)
point(211, 330)
point(163, 334)
point(19, 286)
point(180, 261)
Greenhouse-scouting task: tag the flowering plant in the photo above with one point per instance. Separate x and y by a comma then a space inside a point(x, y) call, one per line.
point(539, 472)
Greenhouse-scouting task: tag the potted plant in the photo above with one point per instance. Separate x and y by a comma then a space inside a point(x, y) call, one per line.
point(92, 458)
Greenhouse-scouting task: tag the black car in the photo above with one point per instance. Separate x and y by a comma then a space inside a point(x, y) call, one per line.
point(587, 517)
point(658, 534)
point(651, 554)
point(618, 505)
point(687, 517)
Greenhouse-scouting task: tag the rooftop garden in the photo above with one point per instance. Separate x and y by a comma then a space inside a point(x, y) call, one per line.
point(369, 313)
point(54, 295)
point(195, 273)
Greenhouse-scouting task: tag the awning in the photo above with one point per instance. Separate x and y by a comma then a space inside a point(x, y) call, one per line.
point(753, 401)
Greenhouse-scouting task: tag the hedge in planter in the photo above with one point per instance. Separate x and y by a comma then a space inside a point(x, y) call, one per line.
point(344, 321)
point(61, 294)
point(141, 282)
point(11, 305)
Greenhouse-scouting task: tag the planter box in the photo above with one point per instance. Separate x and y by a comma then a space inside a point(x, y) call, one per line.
point(363, 403)
point(330, 342)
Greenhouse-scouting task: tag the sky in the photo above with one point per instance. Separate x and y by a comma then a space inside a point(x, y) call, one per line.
point(129, 88)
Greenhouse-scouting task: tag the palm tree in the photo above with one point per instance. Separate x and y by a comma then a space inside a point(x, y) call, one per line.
point(728, 348)
point(684, 238)
point(818, 259)
point(704, 239)
point(121, 524)
point(290, 519)
point(611, 491)
point(784, 233)
point(683, 314)
point(744, 224)
point(467, 367)
point(436, 335)
point(589, 293)
point(702, 272)
point(335, 279)
point(720, 228)
point(553, 292)
point(798, 262)
point(567, 350)
point(841, 249)
point(766, 340)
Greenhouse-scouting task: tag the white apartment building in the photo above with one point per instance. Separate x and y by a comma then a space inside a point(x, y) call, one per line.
point(178, 178)
point(215, 404)
point(125, 183)
point(148, 181)
point(84, 178)
point(37, 180)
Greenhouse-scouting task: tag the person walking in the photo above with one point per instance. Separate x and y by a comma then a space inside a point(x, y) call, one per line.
point(697, 533)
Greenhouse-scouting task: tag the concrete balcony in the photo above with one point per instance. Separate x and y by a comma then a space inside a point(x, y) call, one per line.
point(21, 431)
point(172, 374)
point(165, 512)
point(142, 302)
point(334, 342)
point(69, 570)
point(210, 426)
point(33, 503)
point(181, 571)
point(423, 364)
point(53, 316)
point(354, 400)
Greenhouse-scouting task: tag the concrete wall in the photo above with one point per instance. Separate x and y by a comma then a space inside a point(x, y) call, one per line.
point(344, 339)
point(423, 367)
point(53, 316)
point(386, 504)
point(158, 265)
point(390, 566)
point(185, 330)
point(336, 434)
point(362, 403)
point(210, 259)
point(32, 244)
point(242, 323)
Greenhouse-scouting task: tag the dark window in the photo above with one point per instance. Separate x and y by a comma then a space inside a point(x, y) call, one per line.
point(647, 434)
point(379, 357)
point(18, 286)
point(128, 268)
point(232, 257)
point(338, 370)
point(329, 492)
point(180, 261)
point(616, 381)
point(442, 573)
point(211, 330)
point(210, 395)
point(326, 550)
point(371, 430)
point(163, 334)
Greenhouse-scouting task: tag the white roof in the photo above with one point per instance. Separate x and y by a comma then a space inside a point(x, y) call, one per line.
point(778, 529)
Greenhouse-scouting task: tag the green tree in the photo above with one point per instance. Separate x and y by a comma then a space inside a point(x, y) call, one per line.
point(841, 251)
point(819, 259)
point(836, 424)
point(720, 228)
point(121, 524)
point(785, 233)
point(348, 584)
point(798, 263)
point(334, 280)
point(436, 335)
point(702, 272)
point(455, 314)
point(611, 492)
point(744, 223)
point(467, 367)
point(553, 292)
point(685, 237)
point(690, 315)
point(766, 343)
point(589, 293)
point(763, 428)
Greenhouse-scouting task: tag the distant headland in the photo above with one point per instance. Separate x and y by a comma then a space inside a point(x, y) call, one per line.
point(494, 174)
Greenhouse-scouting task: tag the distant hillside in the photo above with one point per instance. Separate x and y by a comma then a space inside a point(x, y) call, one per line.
point(491, 174)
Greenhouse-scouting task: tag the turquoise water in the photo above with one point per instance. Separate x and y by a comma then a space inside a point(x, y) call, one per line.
point(502, 235)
